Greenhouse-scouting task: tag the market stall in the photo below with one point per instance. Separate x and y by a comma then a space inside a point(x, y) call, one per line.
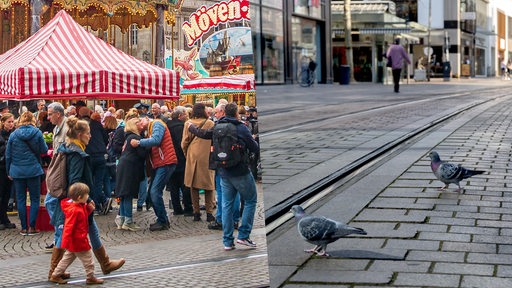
point(235, 88)
point(63, 61)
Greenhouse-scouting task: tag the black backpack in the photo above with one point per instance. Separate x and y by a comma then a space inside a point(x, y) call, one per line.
point(111, 155)
point(227, 151)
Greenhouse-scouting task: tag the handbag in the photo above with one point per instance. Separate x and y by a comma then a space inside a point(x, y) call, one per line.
point(390, 63)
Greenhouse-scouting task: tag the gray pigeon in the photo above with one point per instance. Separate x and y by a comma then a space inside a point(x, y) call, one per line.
point(321, 231)
point(449, 173)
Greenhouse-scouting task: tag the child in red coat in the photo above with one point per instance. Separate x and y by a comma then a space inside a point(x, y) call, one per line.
point(74, 236)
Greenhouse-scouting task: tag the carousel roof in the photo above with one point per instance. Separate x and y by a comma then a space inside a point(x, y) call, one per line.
point(241, 82)
point(62, 60)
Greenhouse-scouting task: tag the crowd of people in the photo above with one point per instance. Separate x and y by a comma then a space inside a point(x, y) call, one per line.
point(121, 155)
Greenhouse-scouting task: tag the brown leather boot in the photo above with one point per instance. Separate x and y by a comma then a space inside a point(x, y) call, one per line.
point(57, 254)
point(57, 279)
point(106, 264)
point(93, 280)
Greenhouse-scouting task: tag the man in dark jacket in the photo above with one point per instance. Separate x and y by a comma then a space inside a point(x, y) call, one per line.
point(97, 149)
point(237, 179)
point(175, 125)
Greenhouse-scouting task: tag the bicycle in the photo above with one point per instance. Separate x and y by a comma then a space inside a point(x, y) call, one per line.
point(307, 77)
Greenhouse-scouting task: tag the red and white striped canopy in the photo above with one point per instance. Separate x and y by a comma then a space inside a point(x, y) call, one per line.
point(244, 82)
point(62, 60)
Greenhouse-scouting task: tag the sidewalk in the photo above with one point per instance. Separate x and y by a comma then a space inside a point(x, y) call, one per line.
point(187, 255)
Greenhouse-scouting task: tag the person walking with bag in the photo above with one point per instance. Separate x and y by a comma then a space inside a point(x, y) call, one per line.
point(397, 54)
point(23, 164)
point(78, 169)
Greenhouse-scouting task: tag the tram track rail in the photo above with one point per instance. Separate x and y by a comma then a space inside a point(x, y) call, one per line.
point(277, 215)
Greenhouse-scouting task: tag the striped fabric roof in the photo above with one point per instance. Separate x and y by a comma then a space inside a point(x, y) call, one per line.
point(62, 60)
point(243, 82)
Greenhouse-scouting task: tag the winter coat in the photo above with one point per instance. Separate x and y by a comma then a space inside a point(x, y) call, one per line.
point(78, 169)
point(130, 170)
point(160, 141)
point(97, 146)
point(176, 129)
point(78, 164)
point(76, 226)
point(197, 152)
point(23, 152)
point(247, 142)
point(4, 137)
point(59, 134)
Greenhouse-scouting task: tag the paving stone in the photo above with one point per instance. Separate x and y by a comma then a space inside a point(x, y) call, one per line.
point(337, 264)
point(504, 271)
point(343, 277)
point(492, 239)
point(463, 269)
point(388, 215)
point(400, 266)
point(427, 280)
point(435, 256)
point(451, 236)
point(470, 215)
point(413, 244)
point(468, 247)
point(479, 281)
point(424, 227)
point(474, 230)
point(451, 221)
point(487, 258)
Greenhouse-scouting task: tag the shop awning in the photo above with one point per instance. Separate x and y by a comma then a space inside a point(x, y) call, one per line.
point(62, 60)
point(384, 30)
point(243, 82)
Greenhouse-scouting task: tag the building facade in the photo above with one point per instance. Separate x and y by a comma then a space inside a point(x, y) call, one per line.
point(287, 35)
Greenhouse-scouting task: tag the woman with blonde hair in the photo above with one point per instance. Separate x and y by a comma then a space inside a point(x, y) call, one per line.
point(129, 174)
point(197, 153)
point(6, 128)
point(23, 164)
point(79, 170)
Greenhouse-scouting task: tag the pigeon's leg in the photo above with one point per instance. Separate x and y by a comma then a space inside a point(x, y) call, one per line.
point(458, 189)
point(322, 251)
point(313, 250)
point(444, 187)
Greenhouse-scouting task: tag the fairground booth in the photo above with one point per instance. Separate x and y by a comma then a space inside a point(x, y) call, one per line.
point(63, 61)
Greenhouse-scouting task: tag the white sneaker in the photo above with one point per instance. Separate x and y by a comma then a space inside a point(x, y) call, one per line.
point(130, 226)
point(246, 242)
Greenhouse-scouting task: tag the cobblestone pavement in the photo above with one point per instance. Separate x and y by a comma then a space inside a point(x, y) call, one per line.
point(418, 236)
point(187, 255)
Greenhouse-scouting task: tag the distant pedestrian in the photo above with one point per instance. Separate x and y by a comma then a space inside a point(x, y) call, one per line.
point(76, 208)
point(397, 54)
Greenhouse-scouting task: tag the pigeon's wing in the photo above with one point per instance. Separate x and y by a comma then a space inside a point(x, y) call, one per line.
point(343, 229)
point(314, 228)
point(448, 172)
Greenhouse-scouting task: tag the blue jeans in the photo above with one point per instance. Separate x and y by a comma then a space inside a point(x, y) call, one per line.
point(99, 168)
point(53, 208)
point(34, 188)
point(94, 233)
point(143, 190)
point(159, 178)
point(126, 206)
point(246, 186)
point(236, 204)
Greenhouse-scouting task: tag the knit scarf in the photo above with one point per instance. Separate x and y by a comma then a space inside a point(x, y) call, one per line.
point(78, 143)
